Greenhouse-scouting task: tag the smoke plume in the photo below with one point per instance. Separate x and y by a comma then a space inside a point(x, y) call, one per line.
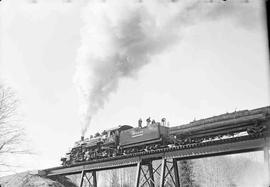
point(120, 37)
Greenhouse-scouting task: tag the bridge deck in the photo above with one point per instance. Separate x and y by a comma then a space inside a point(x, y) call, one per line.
point(220, 147)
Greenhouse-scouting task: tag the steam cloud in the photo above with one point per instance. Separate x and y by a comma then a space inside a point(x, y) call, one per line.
point(120, 37)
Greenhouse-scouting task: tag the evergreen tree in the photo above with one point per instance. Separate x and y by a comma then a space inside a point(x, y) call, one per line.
point(186, 174)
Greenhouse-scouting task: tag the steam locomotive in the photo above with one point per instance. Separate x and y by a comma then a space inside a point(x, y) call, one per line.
point(120, 140)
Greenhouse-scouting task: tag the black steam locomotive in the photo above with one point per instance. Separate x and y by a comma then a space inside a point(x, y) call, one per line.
point(120, 141)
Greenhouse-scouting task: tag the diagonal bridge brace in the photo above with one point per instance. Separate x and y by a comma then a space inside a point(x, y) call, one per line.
point(165, 170)
point(84, 175)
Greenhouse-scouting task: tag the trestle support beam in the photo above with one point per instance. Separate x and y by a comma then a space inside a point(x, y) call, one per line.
point(88, 177)
point(167, 171)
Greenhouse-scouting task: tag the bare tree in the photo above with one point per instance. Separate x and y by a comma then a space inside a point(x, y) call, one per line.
point(11, 135)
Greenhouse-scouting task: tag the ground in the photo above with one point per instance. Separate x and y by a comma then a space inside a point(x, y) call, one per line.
point(27, 179)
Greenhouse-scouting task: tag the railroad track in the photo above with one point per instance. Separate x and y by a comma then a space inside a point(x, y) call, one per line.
point(181, 147)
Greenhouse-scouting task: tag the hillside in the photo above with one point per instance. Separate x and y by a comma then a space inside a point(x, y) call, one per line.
point(27, 179)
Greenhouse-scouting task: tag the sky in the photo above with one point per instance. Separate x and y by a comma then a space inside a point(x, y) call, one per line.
point(218, 65)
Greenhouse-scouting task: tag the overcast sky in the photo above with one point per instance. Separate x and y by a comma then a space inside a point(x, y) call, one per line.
point(218, 66)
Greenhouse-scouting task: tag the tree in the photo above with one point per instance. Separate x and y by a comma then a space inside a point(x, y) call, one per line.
point(187, 174)
point(11, 135)
point(114, 178)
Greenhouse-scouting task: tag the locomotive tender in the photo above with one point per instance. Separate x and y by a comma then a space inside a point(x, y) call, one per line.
point(120, 140)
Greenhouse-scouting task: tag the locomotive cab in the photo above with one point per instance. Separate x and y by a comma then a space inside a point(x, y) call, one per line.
point(112, 135)
point(111, 140)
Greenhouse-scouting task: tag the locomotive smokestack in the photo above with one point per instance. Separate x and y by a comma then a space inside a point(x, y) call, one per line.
point(82, 138)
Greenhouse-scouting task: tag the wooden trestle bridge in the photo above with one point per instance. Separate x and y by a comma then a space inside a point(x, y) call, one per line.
point(222, 125)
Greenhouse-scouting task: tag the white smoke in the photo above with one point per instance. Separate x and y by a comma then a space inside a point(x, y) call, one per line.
point(120, 37)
